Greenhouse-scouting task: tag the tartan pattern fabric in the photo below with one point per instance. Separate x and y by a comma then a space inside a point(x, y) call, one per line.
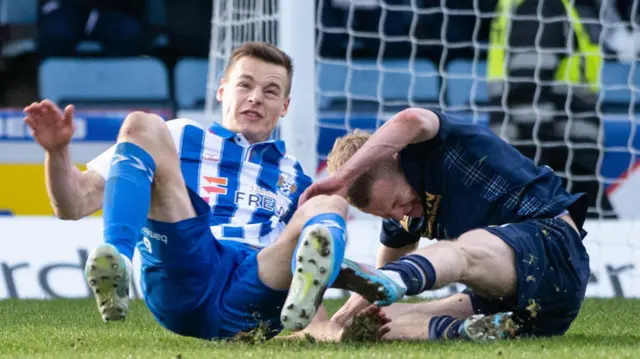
point(492, 186)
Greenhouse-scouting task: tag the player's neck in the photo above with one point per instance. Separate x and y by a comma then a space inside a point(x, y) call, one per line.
point(253, 139)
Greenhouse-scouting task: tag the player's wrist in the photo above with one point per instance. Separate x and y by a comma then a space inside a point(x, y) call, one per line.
point(346, 176)
point(62, 153)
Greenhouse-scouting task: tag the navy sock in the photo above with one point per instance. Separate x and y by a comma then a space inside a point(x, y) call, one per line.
point(337, 226)
point(444, 327)
point(416, 272)
point(127, 196)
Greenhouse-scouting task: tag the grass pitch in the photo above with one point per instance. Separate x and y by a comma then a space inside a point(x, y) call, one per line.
point(73, 329)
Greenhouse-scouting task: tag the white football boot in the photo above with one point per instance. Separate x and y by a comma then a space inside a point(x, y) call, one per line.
point(108, 274)
point(314, 267)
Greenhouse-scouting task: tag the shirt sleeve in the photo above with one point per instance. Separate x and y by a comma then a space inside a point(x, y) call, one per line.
point(393, 235)
point(102, 163)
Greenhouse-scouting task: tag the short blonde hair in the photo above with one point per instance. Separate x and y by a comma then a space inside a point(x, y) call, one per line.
point(359, 193)
point(345, 147)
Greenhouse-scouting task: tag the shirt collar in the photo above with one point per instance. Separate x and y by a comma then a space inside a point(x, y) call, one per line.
point(219, 130)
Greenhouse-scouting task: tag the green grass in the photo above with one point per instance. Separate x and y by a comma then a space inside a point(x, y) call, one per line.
point(72, 329)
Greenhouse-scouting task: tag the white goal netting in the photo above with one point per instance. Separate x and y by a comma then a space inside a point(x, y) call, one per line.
point(374, 57)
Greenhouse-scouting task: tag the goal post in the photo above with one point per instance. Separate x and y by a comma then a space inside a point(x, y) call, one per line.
point(296, 37)
point(289, 24)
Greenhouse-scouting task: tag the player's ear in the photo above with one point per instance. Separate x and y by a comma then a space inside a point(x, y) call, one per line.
point(285, 107)
point(220, 91)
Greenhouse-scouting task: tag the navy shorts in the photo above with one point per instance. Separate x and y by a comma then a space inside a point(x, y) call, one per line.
point(552, 266)
point(198, 286)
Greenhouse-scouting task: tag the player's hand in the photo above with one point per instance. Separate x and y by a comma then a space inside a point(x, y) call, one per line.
point(330, 185)
point(348, 311)
point(50, 127)
point(370, 324)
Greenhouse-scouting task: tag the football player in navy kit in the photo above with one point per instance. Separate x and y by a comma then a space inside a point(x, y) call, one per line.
point(506, 228)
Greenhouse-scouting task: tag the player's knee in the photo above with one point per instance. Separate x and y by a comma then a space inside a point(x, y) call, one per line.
point(145, 129)
point(478, 250)
point(486, 259)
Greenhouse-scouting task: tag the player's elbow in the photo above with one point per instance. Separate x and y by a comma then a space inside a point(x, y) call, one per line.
point(421, 122)
point(65, 214)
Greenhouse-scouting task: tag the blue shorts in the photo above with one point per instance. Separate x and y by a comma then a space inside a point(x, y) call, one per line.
point(201, 287)
point(553, 270)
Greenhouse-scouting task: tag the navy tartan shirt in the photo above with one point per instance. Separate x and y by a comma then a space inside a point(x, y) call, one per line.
point(468, 178)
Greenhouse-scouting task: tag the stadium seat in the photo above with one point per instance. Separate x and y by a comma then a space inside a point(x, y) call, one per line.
point(389, 81)
point(190, 76)
point(15, 12)
point(156, 13)
point(620, 86)
point(465, 83)
point(118, 82)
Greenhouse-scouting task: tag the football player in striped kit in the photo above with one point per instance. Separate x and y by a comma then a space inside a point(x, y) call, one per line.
point(213, 211)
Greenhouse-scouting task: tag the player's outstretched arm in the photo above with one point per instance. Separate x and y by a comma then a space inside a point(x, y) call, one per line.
point(73, 194)
point(412, 125)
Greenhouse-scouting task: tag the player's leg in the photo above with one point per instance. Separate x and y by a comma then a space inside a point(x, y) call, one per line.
point(552, 265)
point(259, 285)
point(312, 247)
point(326, 213)
point(478, 259)
point(144, 182)
point(523, 267)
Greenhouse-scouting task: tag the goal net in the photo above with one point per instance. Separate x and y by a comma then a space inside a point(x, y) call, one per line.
point(359, 61)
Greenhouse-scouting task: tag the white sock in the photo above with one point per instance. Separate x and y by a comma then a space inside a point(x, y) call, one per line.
point(394, 276)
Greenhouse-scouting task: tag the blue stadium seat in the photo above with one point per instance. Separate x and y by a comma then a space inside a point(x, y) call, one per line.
point(620, 85)
point(190, 76)
point(139, 81)
point(18, 11)
point(156, 13)
point(465, 83)
point(388, 81)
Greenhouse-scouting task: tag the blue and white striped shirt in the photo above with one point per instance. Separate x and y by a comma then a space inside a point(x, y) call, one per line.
point(253, 189)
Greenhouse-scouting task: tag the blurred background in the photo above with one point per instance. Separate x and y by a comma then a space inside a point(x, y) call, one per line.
point(556, 78)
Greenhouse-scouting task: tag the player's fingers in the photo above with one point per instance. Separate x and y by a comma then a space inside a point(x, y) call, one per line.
point(38, 113)
point(30, 107)
point(383, 318)
point(29, 121)
point(52, 111)
point(32, 110)
point(382, 331)
point(68, 114)
point(371, 310)
point(306, 195)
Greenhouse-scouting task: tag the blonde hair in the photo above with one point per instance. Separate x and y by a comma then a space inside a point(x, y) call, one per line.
point(345, 147)
point(359, 193)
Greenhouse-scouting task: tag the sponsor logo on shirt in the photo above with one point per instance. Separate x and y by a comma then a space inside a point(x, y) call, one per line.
point(286, 185)
point(215, 185)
